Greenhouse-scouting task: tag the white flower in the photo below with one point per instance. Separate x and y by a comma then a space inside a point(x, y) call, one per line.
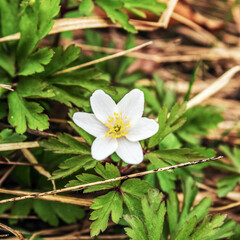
point(117, 127)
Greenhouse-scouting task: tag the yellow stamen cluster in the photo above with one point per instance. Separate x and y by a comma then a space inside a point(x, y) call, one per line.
point(117, 126)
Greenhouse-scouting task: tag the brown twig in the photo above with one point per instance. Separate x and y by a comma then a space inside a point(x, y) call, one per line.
point(14, 232)
point(109, 180)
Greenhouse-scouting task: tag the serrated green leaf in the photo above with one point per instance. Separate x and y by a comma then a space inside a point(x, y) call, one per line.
point(35, 62)
point(65, 143)
point(108, 172)
point(168, 125)
point(227, 184)
point(103, 206)
point(72, 165)
point(34, 87)
point(113, 10)
point(35, 23)
point(8, 136)
point(61, 59)
point(23, 113)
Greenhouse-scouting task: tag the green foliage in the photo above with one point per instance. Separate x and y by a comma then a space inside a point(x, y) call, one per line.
point(167, 124)
point(8, 136)
point(103, 206)
point(114, 10)
point(23, 113)
point(149, 226)
point(227, 184)
point(185, 224)
point(50, 212)
point(200, 119)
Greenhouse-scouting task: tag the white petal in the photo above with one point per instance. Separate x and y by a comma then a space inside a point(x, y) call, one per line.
point(102, 105)
point(89, 123)
point(132, 105)
point(102, 147)
point(144, 128)
point(129, 152)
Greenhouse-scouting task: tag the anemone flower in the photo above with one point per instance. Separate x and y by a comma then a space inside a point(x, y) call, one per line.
point(117, 127)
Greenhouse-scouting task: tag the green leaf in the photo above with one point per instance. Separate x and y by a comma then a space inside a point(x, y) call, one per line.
point(200, 120)
point(227, 184)
point(150, 5)
point(179, 155)
point(8, 136)
point(35, 23)
point(61, 59)
point(21, 208)
point(150, 226)
point(103, 206)
point(50, 211)
point(209, 227)
point(72, 165)
point(86, 8)
point(168, 125)
point(23, 113)
point(108, 172)
point(113, 10)
point(65, 143)
point(34, 87)
point(35, 62)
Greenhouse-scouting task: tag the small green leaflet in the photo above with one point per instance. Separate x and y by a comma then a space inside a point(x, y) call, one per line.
point(103, 206)
point(8, 136)
point(150, 226)
point(167, 124)
point(107, 172)
point(65, 143)
point(23, 113)
point(228, 183)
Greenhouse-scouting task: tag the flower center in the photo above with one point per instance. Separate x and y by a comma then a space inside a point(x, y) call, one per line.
point(117, 126)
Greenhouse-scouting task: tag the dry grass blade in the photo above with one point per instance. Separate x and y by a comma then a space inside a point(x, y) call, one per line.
point(104, 58)
point(214, 87)
point(29, 156)
point(109, 180)
point(16, 146)
point(53, 198)
point(71, 24)
point(231, 205)
point(14, 232)
point(165, 18)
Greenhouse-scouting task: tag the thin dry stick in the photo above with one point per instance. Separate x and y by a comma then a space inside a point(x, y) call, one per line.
point(16, 146)
point(6, 174)
point(232, 205)
point(30, 157)
point(109, 180)
point(214, 87)
point(53, 198)
point(14, 232)
point(104, 58)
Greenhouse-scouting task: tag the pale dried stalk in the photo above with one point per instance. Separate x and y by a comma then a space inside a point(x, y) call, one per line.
point(231, 205)
point(71, 24)
point(16, 146)
point(104, 58)
point(14, 232)
point(109, 180)
point(53, 198)
point(30, 157)
point(8, 87)
point(214, 87)
point(165, 18)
